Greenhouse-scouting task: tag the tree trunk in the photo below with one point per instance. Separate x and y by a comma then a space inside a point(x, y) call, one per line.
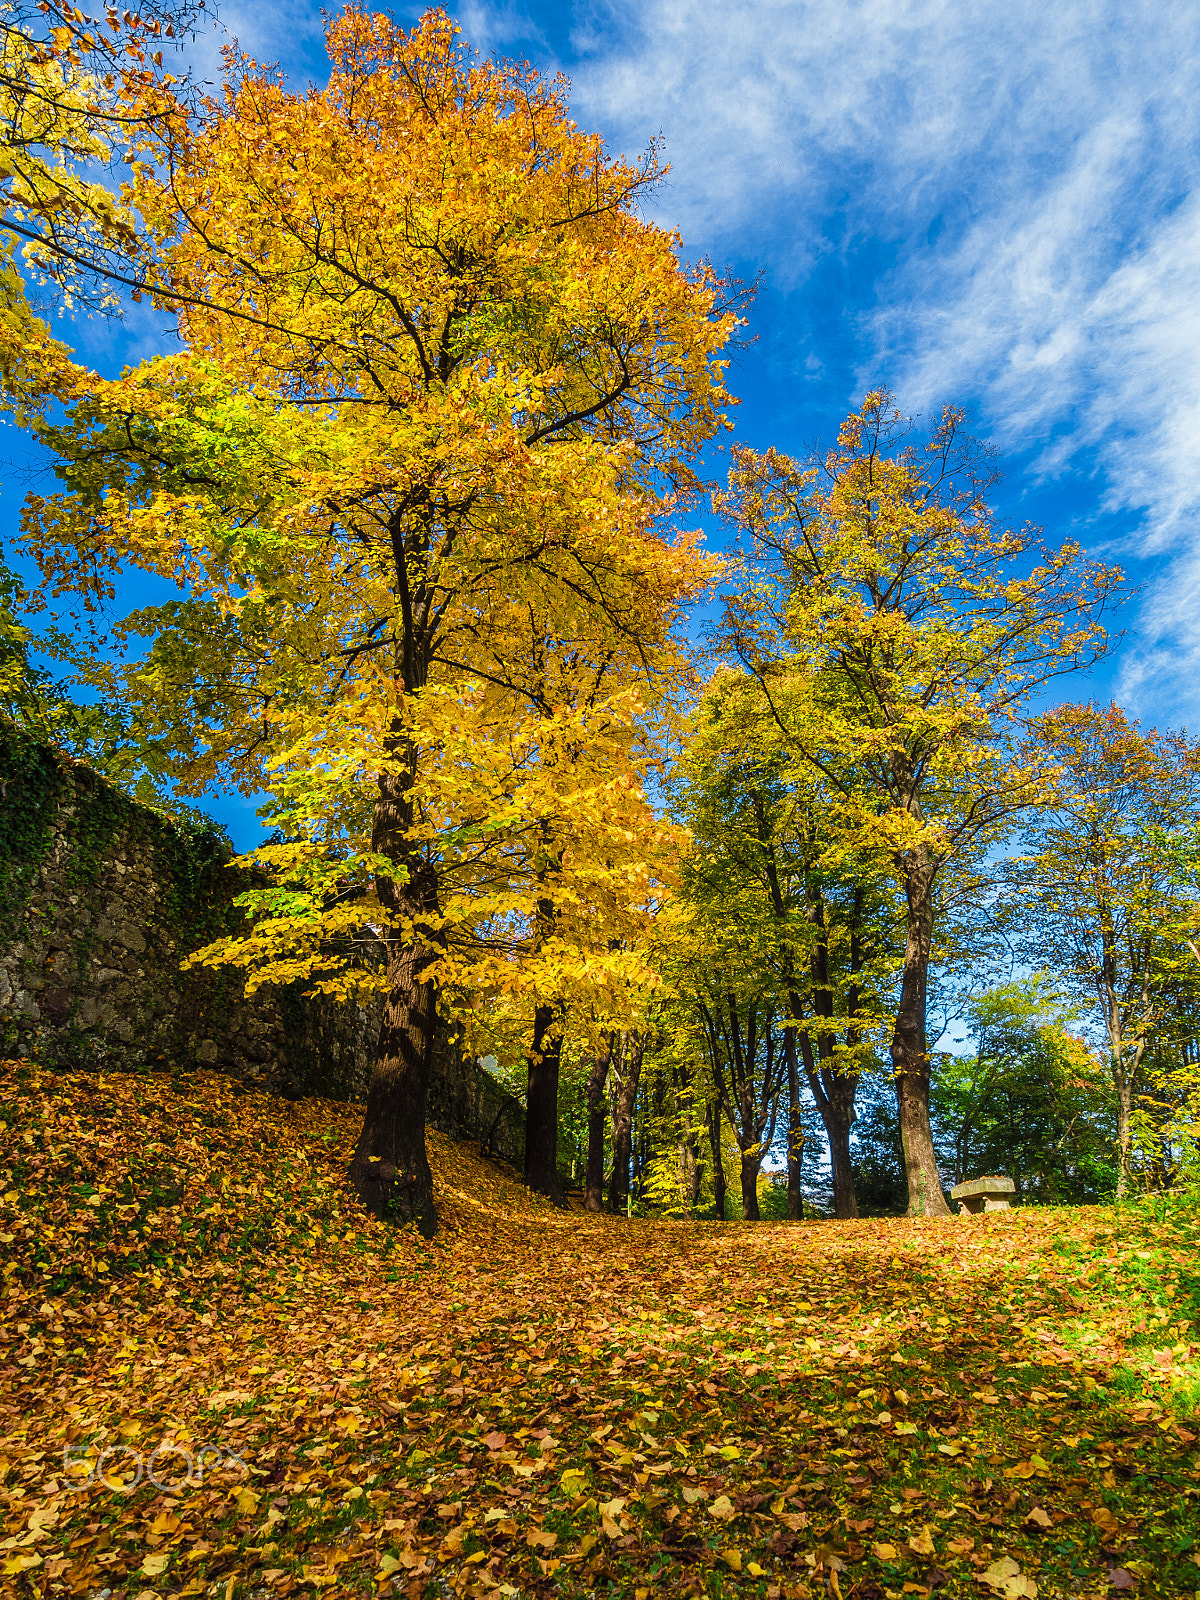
point(713, 1118)
point(389, 1168)
point(593, 1187)
point(910, 1046)
point(1124, 1127)
point(541, 1109)
point(834, 1093)
point(750, 1166)
point(622, 1122)
point(795, 1146)
point(845, 1202)
point(689, 1171)
point(618, 1185)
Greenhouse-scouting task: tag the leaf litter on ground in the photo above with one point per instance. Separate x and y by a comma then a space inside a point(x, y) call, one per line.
point(221, 1378)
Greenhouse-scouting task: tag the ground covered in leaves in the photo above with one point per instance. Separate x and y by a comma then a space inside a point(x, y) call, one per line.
point(220, 1379)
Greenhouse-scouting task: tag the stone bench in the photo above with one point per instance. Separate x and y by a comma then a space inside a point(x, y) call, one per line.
point(983, 1194)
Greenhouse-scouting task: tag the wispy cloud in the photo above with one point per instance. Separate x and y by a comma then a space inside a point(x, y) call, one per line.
point(1034, 174)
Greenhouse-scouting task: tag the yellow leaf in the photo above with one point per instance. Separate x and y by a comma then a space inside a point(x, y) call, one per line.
point(154, 1566)
point(732, 1559)
point(722, 1508)
point(18, 1563)
point(246, 1502)
point(923, 1544)
point(885, 1552)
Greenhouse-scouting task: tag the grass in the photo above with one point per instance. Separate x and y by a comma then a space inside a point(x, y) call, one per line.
point(545, 1404)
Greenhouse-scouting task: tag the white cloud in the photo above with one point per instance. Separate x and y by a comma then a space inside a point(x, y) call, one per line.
point(1033, 171)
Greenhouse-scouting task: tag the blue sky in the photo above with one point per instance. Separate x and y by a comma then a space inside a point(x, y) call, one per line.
point(995, 204)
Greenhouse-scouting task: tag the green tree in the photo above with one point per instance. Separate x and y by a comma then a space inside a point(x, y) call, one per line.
point(895, 635)
point(1095, 900)
point(773, 867)
point(1031, 1103)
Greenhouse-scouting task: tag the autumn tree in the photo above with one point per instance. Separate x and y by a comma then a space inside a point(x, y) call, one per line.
point(1094, 894)
point(895, 634)
point(440, 383)
point(772, 863)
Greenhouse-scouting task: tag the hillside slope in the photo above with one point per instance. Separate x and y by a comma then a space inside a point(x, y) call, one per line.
point(540, 1402)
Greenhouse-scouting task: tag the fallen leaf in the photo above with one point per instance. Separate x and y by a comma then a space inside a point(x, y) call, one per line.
point(923, 1544)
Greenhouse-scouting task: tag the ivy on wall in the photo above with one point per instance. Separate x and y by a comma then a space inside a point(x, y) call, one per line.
point(51, 803)
point(31, 783)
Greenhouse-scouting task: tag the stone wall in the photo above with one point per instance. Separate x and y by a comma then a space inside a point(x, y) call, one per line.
point(101, 899)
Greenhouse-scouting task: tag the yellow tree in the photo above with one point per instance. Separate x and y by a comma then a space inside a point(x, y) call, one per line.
point(1095, 893)
point(440, 384)
point(895, 634)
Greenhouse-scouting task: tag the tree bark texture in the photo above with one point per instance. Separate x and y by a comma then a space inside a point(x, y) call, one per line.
point(541, 1109)
point(910, 1046)
point(751, 1162)
point(390, 1168)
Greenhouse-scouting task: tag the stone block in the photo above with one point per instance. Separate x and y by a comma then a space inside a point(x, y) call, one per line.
point(983, 1194)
